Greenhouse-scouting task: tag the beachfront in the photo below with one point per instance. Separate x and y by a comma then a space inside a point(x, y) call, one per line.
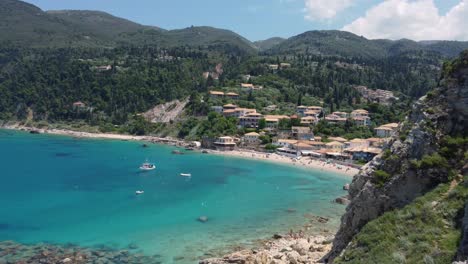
point(305, 162)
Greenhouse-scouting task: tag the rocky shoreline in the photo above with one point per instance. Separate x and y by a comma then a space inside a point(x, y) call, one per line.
point(292, 248)
point(12, 252)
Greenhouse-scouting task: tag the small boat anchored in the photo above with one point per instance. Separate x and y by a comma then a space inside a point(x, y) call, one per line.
point(147, 166)
point(139, 192)
point(186, 174)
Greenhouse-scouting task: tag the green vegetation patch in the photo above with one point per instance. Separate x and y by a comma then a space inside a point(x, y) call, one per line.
point(380, 177)
point(424, 231)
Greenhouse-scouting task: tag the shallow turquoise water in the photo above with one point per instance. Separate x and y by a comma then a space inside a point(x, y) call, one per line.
point(64, 190)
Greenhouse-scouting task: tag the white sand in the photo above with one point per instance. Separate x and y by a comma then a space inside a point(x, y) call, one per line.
point(306, 162)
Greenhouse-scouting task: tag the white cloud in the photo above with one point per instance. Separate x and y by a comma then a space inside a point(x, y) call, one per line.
point(417, 20)
point(325, 9)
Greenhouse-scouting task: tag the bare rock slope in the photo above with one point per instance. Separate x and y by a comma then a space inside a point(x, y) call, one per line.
point(164, 113)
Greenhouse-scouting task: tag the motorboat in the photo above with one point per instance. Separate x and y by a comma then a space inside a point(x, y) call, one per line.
point(139, 192)
point(147, 166)
point(186, 174)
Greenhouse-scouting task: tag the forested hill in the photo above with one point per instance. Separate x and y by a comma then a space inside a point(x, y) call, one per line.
point(267, 44)
point(334, 42)
point(25, 25)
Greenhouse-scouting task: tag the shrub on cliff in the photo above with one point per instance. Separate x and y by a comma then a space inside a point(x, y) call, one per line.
point(380, 177)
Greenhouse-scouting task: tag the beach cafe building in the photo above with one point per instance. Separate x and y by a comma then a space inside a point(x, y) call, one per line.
point(225, 143)
point(288, 152)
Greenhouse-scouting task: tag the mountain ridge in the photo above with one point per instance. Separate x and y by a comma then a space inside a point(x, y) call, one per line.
point(342, 43)
point(26, 25)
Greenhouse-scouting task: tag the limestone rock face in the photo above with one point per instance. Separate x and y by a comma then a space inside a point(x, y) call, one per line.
point(442, 112)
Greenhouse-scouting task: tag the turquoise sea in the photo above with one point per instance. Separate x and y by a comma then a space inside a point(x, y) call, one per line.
point(60, 190)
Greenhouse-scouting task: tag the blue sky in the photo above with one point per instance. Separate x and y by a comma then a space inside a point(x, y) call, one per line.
point(261, 19)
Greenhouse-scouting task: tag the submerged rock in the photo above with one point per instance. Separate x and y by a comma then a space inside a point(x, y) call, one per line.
point(342, 200)
point(202, 219)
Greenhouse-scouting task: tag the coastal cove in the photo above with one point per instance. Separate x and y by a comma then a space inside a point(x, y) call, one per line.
point(59, 190)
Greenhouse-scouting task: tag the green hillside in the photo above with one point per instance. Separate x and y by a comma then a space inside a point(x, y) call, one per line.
point(268, 43)
point(23, 24)
point(330, 42)
point(346, 44)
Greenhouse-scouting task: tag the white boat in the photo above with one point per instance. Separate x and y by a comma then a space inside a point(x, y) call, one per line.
point(186, 175)
point(139, 192)
point(147, 166)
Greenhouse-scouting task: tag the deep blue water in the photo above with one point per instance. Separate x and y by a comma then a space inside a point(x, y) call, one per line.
point(63, 190)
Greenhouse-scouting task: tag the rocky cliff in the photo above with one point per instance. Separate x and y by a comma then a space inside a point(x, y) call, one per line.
point(429, 148)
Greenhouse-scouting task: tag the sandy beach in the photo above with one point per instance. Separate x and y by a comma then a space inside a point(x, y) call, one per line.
point(306, 162)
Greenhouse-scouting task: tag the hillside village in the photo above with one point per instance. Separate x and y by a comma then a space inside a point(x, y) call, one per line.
point(293, 135)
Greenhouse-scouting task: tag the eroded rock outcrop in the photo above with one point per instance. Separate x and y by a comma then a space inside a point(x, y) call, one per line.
point(285, 250)
point(395, 178)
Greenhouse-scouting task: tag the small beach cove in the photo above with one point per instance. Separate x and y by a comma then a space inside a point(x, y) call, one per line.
point(77, 190)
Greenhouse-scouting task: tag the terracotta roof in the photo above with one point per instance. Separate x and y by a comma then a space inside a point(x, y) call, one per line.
point(232, 94)
point(335, 143)
point(316, 143)
point(254, 114)
point(360, 111)
point(276, 117)
point(358, 140)
point(216, 92)
point(229, 105)
point(315, 107)
point(339, 139)
point(383, 128)
point(252, 134)
point(290, 141)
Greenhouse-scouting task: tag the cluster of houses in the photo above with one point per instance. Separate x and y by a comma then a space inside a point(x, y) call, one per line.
point(383, 97)
point(334, 148)
point(308, 116)
point(301, 141)
point(360, 117)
